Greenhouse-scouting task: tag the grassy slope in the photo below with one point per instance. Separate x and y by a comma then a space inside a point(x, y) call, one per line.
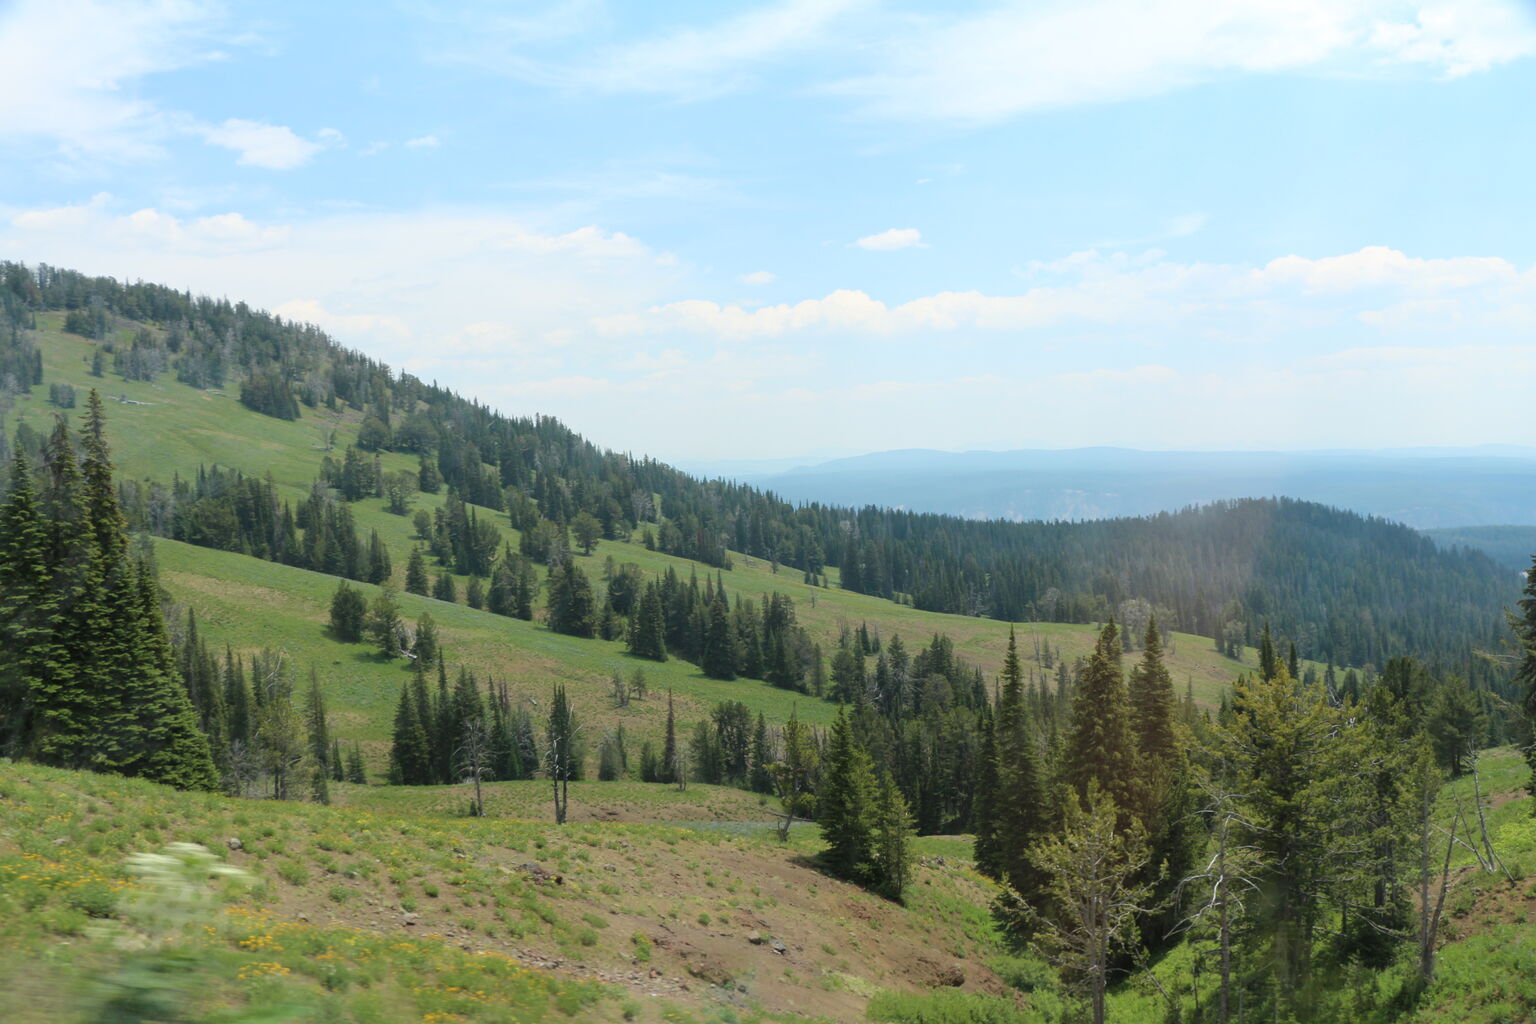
point(251, 604)
point(374, 913)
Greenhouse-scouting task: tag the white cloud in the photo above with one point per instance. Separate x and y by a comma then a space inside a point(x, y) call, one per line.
point(892, 239)
point(1029, 55)
point(690, 61)
point(274, 147)
point(355, 326)
point(757, 277)
point(424, 142)
point(1093, 290)
point(67, 68)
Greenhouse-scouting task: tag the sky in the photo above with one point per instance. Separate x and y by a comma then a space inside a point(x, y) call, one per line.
point(706, 231)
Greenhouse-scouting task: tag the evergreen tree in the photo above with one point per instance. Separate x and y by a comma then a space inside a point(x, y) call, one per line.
point(1152, 729)
point(357, 772)
point(668, 769)
point(426, 649)
point(349, 609)
point(416, 581)
point(1524, 627)
point(647, 637)
point(1019, 805)
point(761, 780)
point(383, 622)
point(444, 589)
point(410, 761)
point(1269, 661)
point(892, 848)
point(572, 609)
point(719, 657)
point(562, 757)
point(319, 740)
point(1099, 748)
point(845, 807)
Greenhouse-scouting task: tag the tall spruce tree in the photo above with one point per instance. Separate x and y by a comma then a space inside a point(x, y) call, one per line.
point(648, 634)
point(1020, 807)
point(410, 757)
point(846, 805)
point(1099, 747)
point(1152, 717)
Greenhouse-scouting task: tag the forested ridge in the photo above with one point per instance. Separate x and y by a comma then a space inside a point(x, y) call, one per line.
point(1343, 588)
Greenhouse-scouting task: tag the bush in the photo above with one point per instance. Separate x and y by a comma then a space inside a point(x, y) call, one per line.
point(945, 1007)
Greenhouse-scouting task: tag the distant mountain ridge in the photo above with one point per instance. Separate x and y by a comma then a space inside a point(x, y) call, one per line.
point(1425, 488)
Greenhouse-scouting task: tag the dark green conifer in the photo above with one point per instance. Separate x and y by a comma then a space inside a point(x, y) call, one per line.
point(1099, 747)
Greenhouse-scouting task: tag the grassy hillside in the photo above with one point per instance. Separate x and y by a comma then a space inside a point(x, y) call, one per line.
point(385, 913)
point(165, 428)
point(384, 908)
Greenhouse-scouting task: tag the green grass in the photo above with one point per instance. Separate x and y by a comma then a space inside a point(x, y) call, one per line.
point(324, 927)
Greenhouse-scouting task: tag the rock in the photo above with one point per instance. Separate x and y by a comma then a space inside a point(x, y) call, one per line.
point(755, 937)
point(234, 843)
point(409, 920)
point(61, 841)
point(778, 947)
point(304, 918)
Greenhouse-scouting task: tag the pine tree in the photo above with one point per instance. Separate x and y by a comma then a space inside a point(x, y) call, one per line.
point(357, 772)
point(1524, 627)
point(892, 847)
point(562, 757)
point(349, 609)
point(416, 574)
point(383, 621)
point(409, 759)
point(647, 637)
point(668, 769)
point(1099, 749)
point(572, 609)
point(426, 647)
point(1152, 715)
point(761, 779)
point(1019, 807)
point(319, 740)
point(28, 612)
point(984, 823)
point(719, 657)
point(846, 804)
point(1269, 661)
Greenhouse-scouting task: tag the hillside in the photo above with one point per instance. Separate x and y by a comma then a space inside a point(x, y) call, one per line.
point(163, 429)
point(391, 913)
point(380, 910)
point(1343, 588)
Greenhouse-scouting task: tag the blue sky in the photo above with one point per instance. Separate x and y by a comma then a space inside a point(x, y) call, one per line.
point(706, 231)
